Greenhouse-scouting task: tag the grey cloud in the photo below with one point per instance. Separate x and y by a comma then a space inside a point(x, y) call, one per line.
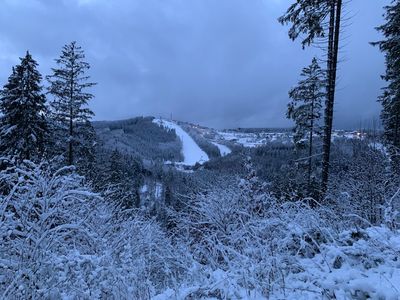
point(224, 63)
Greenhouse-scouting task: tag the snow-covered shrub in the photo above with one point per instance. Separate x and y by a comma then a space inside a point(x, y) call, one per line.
point(42, 218)
point(147, 262)
point(360, 183)
point(283, 251)
point(391, 210)
point(251, 238)
point(60, 240)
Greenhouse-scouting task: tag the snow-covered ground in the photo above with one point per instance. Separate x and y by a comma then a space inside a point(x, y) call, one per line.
point(192, 153)
point(351, 268)
point(223, 150)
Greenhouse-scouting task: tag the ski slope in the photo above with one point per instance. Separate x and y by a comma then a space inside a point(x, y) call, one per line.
point(223, 150)
point(191, 152)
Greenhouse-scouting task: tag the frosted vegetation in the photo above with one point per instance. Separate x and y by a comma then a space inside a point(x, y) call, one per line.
point(62, 240)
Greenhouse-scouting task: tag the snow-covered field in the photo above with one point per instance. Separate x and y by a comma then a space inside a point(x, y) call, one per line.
point(191, 151)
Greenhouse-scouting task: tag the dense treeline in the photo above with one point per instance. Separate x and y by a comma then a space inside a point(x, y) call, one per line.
point(140, 136)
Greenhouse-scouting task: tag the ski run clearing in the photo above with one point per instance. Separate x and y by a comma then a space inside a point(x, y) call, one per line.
point(223, 150)
point(192, 153)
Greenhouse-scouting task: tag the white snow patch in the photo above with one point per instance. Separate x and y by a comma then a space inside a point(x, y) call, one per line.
point(223, 150)
point(379, 147)
point(192, 153)
point(158, 190)
point(144, 188)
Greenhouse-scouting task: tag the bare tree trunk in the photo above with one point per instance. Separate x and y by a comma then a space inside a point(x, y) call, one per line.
point(70, 146)
point(310, 150)
point(333, 50)
point(395, 146)
point(396, 131)
point(71, 120)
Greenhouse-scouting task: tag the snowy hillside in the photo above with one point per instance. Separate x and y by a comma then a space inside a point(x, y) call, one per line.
point(140, 137)
point(223, 150)
point(192, 154)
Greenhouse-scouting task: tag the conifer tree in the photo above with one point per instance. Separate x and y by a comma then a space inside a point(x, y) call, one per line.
point(319, 20)
point(305, 107)
point(390, 99)
point(68, 85)
point(308, 19)
point(24, 127)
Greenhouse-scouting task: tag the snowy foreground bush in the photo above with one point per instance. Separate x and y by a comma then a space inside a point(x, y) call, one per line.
point(61, 241)
point(255, 248)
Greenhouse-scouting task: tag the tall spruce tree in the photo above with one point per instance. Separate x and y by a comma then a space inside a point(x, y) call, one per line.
point(320, 20)
point(305, 107)
point(70, 112)
point(24, 127)
point(390, 98)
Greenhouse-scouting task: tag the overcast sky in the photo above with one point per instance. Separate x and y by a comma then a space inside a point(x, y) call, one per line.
point(221, 63)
